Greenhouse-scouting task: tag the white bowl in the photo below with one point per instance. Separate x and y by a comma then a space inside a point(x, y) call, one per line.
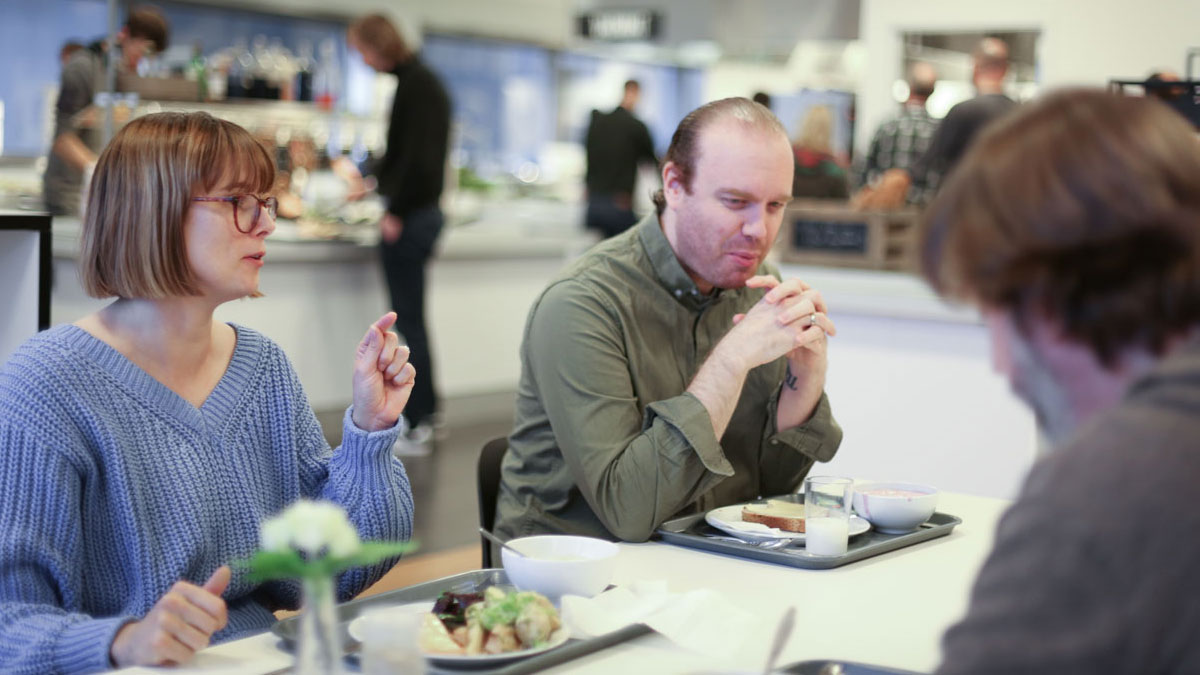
point(559, 564)
point(895, 508)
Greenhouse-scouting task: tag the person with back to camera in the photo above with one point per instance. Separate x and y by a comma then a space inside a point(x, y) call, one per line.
point(615, 144)
point(817, 173)
point(141, 446)
point(901, 140)
point(1074, 226)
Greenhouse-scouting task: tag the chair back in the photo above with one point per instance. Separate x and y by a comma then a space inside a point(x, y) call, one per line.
point(488, 488)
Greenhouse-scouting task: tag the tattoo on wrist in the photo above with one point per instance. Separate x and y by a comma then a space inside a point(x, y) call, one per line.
point(790, 381)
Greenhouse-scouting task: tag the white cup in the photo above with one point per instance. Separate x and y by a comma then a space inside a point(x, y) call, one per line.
point(827, 501)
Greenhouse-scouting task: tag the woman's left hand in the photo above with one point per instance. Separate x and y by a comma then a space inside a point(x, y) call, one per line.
point(383, 377)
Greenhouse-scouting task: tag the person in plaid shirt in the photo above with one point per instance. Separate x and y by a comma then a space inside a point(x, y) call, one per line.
point(900, 141)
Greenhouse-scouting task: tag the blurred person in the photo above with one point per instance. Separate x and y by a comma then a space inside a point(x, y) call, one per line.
point(817, 172)
point(1166, 93)
point(410, 178)
point(965, 120)
point(142, 446)
point(616, 143)
point(668, 370)
point(68, 49)
point(77, 140)
point(1074, 227)
point(902, 139)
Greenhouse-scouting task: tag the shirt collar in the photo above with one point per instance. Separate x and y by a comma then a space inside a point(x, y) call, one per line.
point(666, 266)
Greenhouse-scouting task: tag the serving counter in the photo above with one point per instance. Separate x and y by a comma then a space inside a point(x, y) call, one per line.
point(906, 369)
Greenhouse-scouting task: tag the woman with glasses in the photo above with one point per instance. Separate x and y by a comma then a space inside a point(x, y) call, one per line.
point(141, 446)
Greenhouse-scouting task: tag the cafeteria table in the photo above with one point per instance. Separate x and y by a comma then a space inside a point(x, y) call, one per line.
point(888, 610)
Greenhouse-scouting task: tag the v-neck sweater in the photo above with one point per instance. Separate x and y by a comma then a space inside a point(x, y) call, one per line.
point(113, 487)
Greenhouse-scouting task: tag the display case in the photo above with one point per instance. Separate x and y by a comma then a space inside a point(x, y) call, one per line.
point(831, 233)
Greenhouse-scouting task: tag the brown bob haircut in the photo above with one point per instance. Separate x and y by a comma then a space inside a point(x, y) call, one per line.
point(133, 243)
point(378, 33)
point(684, 150)
point(1082, 209)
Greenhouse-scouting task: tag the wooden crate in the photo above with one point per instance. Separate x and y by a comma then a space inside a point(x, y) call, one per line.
point(832, 234)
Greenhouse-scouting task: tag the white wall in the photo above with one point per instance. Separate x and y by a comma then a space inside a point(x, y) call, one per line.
point(1083, 42)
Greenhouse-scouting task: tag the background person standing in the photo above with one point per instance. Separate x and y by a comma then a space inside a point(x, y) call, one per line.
point(410, 178)
point(616, 143)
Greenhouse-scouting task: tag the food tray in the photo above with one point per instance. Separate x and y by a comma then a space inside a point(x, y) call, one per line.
point(692, 531)
point(467, 582)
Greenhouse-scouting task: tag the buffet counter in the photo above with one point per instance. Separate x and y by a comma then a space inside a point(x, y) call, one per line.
point(904, 365)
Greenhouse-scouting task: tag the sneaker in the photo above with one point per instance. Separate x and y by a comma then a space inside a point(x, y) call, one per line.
point(416, 442)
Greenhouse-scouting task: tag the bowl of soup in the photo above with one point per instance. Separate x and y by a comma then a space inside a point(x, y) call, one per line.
point(895, 508)
point(558, 564)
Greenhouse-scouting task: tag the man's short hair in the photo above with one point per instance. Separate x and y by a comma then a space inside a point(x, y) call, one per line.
point(685, 142)
point(148, 23)
point(922, 79)
point(378, 33)
point(133, 242)
point(1082, 209)
point(633, 84)
point(991, 54)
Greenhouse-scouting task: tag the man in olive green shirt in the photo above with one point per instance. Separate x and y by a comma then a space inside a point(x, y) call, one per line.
point(668, 371)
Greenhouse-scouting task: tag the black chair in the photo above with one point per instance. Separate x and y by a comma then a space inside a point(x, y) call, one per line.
point(488, 487)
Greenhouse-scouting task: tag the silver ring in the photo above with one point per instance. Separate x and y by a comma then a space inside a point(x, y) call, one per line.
point(812, 319)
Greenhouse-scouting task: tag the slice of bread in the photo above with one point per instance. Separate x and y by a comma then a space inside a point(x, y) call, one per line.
point(787, 516)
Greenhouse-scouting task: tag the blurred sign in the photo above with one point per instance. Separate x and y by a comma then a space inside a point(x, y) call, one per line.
point(620, 24)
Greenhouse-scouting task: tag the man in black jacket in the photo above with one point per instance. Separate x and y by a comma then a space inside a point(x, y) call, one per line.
point(616, 143)
point(411, 175)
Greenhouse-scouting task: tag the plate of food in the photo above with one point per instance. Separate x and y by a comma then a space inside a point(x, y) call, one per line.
point(482, 630)
point(769, 520)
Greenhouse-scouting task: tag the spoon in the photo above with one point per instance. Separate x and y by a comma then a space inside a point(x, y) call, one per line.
point(781, 636)
point(500, 542)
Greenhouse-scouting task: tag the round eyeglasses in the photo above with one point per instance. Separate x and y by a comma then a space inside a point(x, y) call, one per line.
point(246, 209)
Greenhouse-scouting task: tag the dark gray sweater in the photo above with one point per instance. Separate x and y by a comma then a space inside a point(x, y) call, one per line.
point(1096, 567)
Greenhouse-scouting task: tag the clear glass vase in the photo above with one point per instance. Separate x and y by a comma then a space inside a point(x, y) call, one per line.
point(319, 648)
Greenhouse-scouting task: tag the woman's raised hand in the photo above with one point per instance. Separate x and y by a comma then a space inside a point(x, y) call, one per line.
point(383, 377)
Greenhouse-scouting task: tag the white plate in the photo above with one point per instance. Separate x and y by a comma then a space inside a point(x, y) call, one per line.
point(729, 518)
point(463, 661)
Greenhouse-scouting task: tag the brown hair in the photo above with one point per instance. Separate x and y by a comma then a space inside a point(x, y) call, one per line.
point(376, 32)
point(1083, 209)
point(148, 23)
point(133, 243)
point(685, 142)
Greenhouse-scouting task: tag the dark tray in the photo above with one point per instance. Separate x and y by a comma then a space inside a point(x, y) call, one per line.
point(840, 668)
point(692, 531)
point(467, 582)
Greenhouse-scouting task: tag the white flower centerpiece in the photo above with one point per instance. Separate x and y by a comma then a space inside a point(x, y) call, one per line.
point(314, 541)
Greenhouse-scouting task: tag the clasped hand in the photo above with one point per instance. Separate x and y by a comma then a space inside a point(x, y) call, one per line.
point(383, 377)
point(790, 319)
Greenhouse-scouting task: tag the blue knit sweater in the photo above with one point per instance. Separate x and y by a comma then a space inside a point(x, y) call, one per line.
point(112, 488)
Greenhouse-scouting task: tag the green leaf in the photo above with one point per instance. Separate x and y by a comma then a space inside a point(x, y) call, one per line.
point(272, 565)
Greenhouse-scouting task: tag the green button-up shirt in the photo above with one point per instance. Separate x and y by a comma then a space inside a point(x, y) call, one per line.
point(607, 443)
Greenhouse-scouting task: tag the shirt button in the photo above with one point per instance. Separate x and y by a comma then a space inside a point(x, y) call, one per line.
point(774, 442)
point(678, 293)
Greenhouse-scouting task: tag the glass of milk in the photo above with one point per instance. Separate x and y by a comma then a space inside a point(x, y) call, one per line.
point(827, 501)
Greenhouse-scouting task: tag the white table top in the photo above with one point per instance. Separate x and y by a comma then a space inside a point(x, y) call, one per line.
point(888, 610)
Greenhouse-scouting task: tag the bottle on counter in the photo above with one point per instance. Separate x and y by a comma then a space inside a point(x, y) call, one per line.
point(198, 71)
point(304, 72)
point(327, 79)
point(239, 65)
point(260, 70)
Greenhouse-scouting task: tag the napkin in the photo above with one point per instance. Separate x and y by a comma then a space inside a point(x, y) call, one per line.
point(701, 621)
point(743, 526)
